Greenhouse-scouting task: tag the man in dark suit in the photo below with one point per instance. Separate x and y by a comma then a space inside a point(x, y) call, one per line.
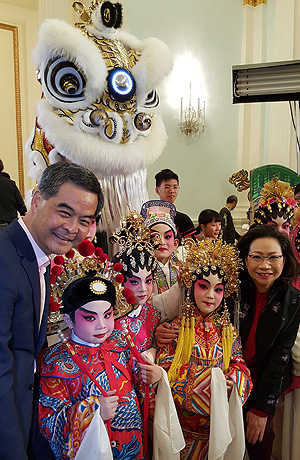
point(63, 207)
point(11, 201)
point(229, 232)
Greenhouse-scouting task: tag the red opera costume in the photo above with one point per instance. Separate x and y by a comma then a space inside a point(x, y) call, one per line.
point(142, 327)
point(69, 399)
point(191, 391)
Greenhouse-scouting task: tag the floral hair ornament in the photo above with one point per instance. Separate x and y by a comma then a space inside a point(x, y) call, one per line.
point(276, 195)
point(79, 279)
point(202, 258)
point(134, 234)
point(159, 211)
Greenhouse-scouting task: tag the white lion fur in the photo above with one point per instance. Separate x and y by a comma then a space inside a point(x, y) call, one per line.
point(103, 157)
point(57, 38)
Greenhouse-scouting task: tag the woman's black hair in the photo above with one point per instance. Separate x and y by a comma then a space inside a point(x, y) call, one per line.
point(135, 260)
point(208, 215)
point(291, 265)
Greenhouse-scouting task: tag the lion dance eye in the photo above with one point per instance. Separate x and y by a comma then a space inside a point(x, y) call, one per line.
point(63, 80)
point(121, 84)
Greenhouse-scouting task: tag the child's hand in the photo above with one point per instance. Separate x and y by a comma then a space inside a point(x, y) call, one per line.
point(229, 385)
point(150, 372)
point(108, 405)
point(164, 334)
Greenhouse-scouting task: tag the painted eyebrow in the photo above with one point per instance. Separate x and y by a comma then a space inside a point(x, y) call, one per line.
point(137, 277)
point(205, 281)
point(272, 252)
point(85, 310)
point(65, 205)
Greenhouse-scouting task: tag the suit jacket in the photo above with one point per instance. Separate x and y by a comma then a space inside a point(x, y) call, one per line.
point(10, 200)
point(229, 232)
point(275, 335)
point(20, 338)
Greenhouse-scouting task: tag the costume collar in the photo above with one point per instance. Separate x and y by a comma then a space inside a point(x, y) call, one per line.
point(76, 339)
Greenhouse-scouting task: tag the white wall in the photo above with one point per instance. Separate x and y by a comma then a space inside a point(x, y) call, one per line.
point(211, 31)
point(26, 20)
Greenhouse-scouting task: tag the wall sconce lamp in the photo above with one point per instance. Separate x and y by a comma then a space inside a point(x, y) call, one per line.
point(192, 121)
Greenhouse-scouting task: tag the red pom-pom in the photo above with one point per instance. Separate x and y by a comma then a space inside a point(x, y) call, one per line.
point(98, 251)
point(70, 254)
point(103, 257)
point(56, 270)
point(52, 279)
point(130, 299)
point(118, 267)
point(119, 278)
point(86, 248)
point(126, 292)
point(54, 306)
point(58, 260)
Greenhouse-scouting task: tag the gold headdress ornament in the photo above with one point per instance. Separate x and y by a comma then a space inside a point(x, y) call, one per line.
point(134, 234)
point(278, 193)
point(201, 258)
point(90, 263)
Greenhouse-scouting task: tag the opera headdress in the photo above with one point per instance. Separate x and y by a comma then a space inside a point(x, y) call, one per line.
point(159, 211)
point(277, 198)
point(76, 280)
point(136, 246)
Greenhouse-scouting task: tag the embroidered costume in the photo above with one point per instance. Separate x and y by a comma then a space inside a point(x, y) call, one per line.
point(142, 326)
point(206, 356)
point(166, 275)
point(192, 392)
point(69, 399)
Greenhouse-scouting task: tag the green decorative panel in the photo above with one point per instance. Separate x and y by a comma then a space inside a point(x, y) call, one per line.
point(259, 176)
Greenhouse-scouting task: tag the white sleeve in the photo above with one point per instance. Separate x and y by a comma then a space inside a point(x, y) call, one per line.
point(295, 353)
point(168, 303)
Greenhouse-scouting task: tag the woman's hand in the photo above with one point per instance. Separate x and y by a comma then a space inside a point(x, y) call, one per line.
point(108, 405)
point(229, 385)
point(164, 334)
point(150, 372)
point(255, 427)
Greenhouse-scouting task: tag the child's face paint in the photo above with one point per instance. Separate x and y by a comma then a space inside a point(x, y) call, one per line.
point(281, 224)
point(208, 293)
point(93, 322)
point(166, 239)
point(141, 285)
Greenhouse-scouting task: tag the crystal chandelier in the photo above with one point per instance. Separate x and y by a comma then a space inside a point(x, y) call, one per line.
point(192, 121)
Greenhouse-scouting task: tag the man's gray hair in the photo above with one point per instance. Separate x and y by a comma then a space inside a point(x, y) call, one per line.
point(57, 174)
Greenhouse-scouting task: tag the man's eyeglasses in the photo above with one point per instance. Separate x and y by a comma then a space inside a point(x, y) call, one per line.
point(273, 260)
point(171, 187)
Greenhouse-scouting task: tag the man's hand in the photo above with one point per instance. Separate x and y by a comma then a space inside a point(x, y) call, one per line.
point(150, 372)
point(255, 427)
point(164, 334)
point(108, 405)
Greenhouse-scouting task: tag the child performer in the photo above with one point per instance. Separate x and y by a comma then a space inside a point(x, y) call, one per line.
point(138, 268)
point(93, 371)
point(276, 206)
point(159, 217)
point(205, 364)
